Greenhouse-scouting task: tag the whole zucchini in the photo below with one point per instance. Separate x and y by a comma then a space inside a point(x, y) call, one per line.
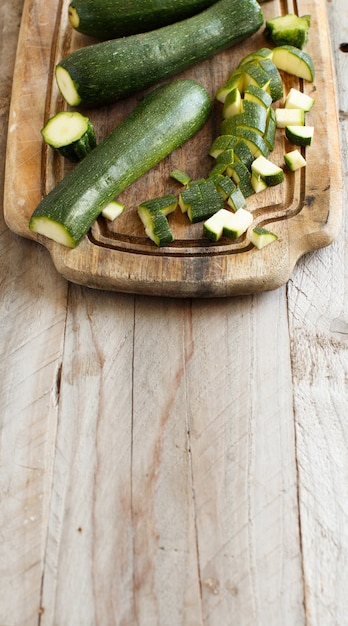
point(167, 117)
point(107, 19)
point(104, 72)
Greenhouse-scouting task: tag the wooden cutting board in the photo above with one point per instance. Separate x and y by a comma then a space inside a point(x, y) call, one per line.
point(304, 211)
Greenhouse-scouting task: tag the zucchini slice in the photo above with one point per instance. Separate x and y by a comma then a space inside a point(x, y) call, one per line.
point(102, 73)
point(300, 135)
point(166, 118)
point(294, 61)
point(71, 134)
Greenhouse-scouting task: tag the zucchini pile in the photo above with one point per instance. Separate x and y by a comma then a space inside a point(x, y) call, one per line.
point(154, 44)
point(242, 150)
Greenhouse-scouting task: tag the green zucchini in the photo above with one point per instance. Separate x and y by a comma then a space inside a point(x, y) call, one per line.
point(108, 19)
point(288, 29)
point(167, 117)
point(102, 73)
point(71, 134)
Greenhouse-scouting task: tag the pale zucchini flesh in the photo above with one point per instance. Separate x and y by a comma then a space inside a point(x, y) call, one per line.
point(71, 134)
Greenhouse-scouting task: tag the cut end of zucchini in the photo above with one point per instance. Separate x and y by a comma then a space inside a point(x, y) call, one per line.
point(51, 229)
point(74, 17)
point(67, 86)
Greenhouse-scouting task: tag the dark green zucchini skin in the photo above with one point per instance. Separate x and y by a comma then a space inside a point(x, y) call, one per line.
point(162, 121)
point(107, 19)
point(107, 71)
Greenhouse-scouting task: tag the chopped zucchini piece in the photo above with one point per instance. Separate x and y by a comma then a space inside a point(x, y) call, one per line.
point(271, 173)
point(275, 88)
point(288, 29)
point(289, 117)
point(71, 134)
point(298, 100)
point(300, 135)
point(200, 200)
point(226, 223)
point(261, 237)
point(271, 128)
point(254, 93)
point(153, 215)
point(218, 168)
point(241, 176)
point(294, 160)
point(233, 103)
point(262, 53)
point(255, 115)
point(113, 210)
point(213, 227)
point(235, 80)
point(258, 184)
point(226, 157)
point(238, 223)
point(243, 153)
point(294, 61)
point(166, 204)
point(222, 143)
point(254, 74)
point(180, 176)
point(224, 185)
point(254, 140)
point(236, 199)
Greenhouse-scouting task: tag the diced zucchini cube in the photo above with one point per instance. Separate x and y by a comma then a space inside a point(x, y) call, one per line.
point(201, 200)
point(180, 176)
point(113, 210)
point(289, 117)
point(294, 160)
point(298, 100)
point(261, 237)
point(270, 173)
point(300, 135)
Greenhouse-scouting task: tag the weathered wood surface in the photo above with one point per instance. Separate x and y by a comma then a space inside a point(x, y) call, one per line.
point(172, 462)
point(305, 211)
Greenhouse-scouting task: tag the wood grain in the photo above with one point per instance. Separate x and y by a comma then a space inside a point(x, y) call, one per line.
point(172, 462)
point(305, 211)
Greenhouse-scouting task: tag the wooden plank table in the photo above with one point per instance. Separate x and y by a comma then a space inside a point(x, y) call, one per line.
point(173, 462)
